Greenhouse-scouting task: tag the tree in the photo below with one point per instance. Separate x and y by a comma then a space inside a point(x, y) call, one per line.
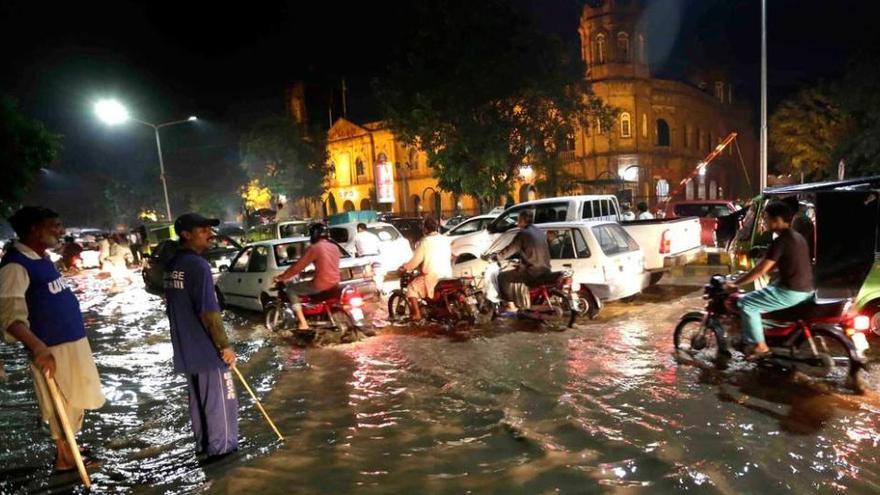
point(482, 91)
point(806, 131)
point(26, 146)
point(858, 98)
point(284, 160)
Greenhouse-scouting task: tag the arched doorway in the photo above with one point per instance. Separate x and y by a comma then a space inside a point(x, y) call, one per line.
point(365, 204)
point(347, 206)
point(415, 202)
point(431, 200)
point(330, 205)
point(527, 193)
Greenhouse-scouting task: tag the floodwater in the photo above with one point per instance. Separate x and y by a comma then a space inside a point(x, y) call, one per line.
point(601, 408)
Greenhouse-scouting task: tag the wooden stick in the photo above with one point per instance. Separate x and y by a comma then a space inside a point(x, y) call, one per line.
point(61, 413)
point(259, 406)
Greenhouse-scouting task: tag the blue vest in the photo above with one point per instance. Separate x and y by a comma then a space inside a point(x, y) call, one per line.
point(53, 310)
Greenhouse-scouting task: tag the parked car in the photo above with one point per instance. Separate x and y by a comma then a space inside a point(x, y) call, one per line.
point(410, 228)
point(219, 256)
point(606, 261)
point(471, 225)
point(248, 281)
point(708, 210)
point(452, 222)
point(396, 249)
point(278, 230)
point(665, 242)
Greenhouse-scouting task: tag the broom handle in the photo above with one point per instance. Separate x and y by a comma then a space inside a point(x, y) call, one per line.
point(68, 431)
point(259, 406)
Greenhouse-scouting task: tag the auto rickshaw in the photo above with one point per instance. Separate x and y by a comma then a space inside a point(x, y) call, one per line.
point(840, 220)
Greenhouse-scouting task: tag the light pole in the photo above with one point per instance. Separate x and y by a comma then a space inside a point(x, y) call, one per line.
point(763, 160)
point(112, 113)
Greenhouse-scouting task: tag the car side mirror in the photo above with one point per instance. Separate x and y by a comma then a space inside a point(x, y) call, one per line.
point(223, 268)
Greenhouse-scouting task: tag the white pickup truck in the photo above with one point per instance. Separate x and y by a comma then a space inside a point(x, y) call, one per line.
point(665, 243)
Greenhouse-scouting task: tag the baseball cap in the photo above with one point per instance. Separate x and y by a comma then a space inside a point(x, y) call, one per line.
point(189, 221)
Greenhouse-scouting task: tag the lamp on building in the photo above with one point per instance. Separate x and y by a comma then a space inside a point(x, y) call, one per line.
point(631, 173)
point(701, 168)
point(526, 173)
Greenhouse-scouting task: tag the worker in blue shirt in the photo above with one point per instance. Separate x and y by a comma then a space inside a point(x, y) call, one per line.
point(201, 349)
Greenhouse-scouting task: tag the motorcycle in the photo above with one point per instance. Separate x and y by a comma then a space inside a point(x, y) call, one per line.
point(551, 299)
point(454, 300)
point(817, 337)
point(335, 315)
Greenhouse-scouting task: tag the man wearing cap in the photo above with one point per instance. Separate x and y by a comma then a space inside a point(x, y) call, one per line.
point(201, 349)
point(38, 309)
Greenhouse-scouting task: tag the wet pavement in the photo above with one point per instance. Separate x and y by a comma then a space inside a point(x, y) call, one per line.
point(599, 408)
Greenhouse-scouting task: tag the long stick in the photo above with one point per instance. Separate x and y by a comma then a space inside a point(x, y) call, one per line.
point(68, 431)
point(259, 406)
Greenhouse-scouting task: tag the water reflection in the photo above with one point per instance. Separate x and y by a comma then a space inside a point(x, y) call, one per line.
point(506, 409)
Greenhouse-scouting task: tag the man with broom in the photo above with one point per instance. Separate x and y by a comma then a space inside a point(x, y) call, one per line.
point(38, 309)
point(201, 349)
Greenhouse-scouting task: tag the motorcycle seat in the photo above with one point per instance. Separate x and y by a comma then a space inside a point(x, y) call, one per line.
point(332, 293)
point(811, 308)
point(547, 279)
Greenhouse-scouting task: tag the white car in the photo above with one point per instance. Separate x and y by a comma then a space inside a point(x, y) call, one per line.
point(604, 258)
point(395, 248)
point(248, 281)
point(471, 225)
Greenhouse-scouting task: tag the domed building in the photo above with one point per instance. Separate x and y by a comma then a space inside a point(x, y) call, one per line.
point(665, 127)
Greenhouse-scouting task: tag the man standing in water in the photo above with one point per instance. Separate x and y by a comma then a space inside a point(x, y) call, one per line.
point(38, 309)
point(201, 349)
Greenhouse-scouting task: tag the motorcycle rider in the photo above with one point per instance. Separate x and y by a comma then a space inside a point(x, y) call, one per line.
point(325, 256)
point(434, 253)
point(789, 253)
point(71, 254)
point(530, 243)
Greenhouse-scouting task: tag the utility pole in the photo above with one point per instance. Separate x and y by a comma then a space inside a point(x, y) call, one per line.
point(762, 176)
point(344, 105)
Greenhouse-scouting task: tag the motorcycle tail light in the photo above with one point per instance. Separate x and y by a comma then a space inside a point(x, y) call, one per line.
point(861, 323)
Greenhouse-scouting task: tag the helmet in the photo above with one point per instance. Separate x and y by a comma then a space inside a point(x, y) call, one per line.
point(318, 231)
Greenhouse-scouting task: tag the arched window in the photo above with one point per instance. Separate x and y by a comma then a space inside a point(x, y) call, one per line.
point(347, 206)
point(662, 133)
point(645, 125)
point(689, 190)
point(359, 167)
point(625, 125)
point(599, 129)
point(642, 55)
point(600, 49)
point(332, 167)
point(622, 47)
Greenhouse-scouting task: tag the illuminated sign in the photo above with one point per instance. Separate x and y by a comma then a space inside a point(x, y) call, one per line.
point(384, 174)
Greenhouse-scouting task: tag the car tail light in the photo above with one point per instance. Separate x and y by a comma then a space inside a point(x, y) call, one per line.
point(665, 243)
point(356, 302)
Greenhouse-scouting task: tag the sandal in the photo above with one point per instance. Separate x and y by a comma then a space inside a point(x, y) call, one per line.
point(759, 356)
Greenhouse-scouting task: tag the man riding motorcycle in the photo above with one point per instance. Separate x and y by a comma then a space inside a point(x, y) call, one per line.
point(434, 253)
point(325, 256)
point(789, 252)
point(530, 243)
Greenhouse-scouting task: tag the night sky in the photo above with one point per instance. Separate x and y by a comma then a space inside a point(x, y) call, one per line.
point(230, 64)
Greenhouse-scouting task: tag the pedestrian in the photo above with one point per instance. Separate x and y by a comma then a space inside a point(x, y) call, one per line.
point(644, 214)
point(202, 351)
point(71, 255)
point(104, 252)
point(628, 215)
point(38, 309)
point(367, 243)
point(136, 246)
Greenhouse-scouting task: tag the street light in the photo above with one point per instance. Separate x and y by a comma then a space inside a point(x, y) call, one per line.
point(111, 112)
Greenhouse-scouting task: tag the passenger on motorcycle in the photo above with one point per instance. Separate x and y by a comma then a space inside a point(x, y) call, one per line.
point(434, 253)
point(325, 256)
point(790, 254)
point(530, 243)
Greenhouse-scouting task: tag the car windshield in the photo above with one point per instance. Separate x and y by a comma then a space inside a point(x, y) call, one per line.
point(384, 232)
point(297, 229)
point(543, 213)
point(702, 210)
point(614, 240)
point(289, 252)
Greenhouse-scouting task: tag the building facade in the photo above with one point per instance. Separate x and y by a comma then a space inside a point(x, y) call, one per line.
point(664, 129)
point(355, 153)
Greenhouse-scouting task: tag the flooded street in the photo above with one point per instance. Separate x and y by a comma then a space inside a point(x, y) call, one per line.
point(599, 408)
